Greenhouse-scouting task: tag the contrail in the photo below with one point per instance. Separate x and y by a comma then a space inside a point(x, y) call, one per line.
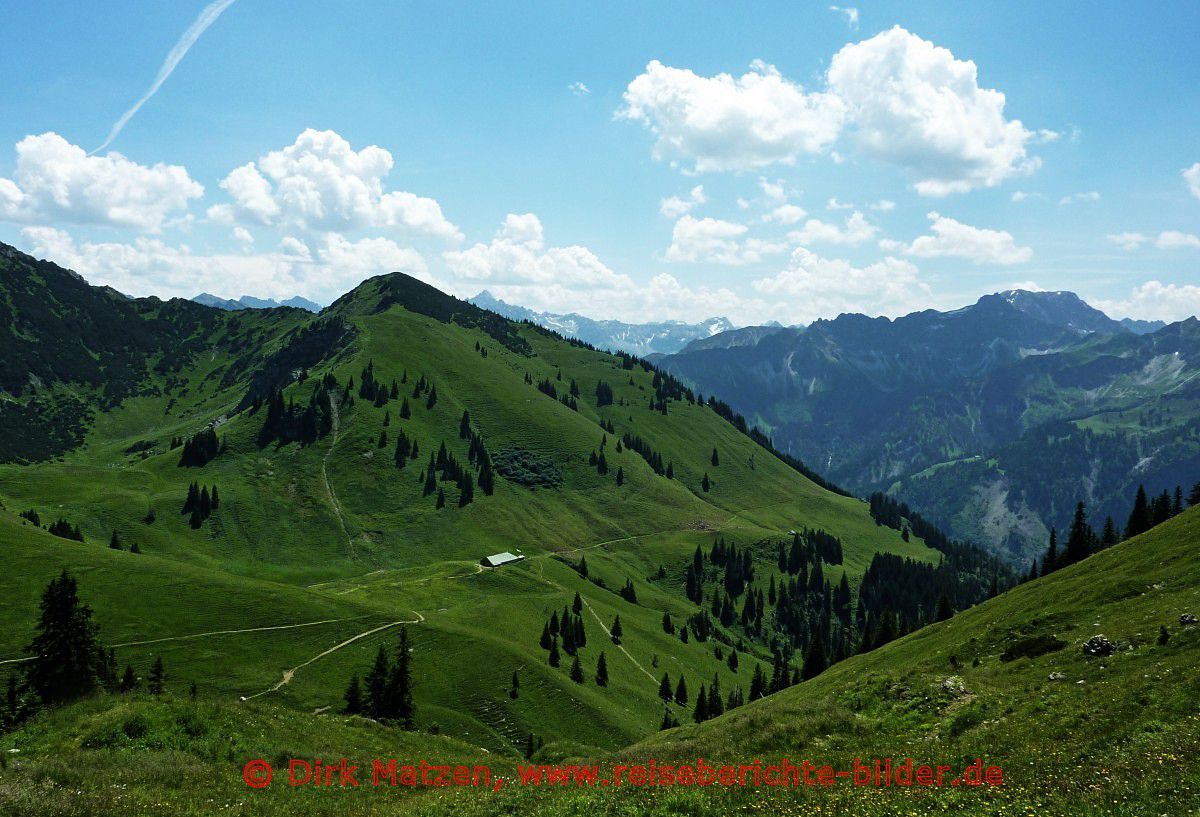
point(207, 17)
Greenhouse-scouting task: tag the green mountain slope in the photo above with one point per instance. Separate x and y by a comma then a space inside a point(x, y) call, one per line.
point(1074, 734)
point(321, 535)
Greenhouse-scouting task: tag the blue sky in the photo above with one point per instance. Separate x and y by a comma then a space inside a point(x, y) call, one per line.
point(781, 161)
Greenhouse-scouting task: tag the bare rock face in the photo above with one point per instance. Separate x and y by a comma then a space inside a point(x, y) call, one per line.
point(1098, 645)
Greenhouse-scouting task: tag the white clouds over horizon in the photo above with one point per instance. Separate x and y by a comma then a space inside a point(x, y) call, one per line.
point(1154, 300)
point(897, 97)
point(953, 239)
point(715, 241)
point(675, 206)
point(320, 182)
point(149, 265)
point(1165, 240)
point(1191, 175)
point(731, 123)
point(814, 287)
point(55, 180)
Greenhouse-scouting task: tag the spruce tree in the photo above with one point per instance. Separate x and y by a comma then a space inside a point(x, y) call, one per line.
point(66, 652)
point(681, 692)
point(1139, 517)
point(545, 640)
point(129, 681)
point(615, 630)
point(700, 713)
point(554, 657)
point(716, 460)
point(157, 676)
point(733, 661)
point(401, 683)
point(441, 500)
point(944, 610)
point(576, 671)
point(353, 697)
point(115, 541)
point(377, 686)
point(664, 687)
point(705, 483)
point(601, 671)
point(515, 687)
point(620, 476)
point(758, 683)
point(1080, 539)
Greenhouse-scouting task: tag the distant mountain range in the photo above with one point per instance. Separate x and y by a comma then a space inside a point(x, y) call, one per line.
point(250, 302)
point(643, 339)
point(992, 420)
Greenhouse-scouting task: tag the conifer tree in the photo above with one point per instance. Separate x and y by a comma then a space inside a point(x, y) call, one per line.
point(216, 499)
point(681, 692)
point(620, 476)
point(353, 697)
point(545, 639)
point(514, 689)
point(664, 688)
point(715, 706)
point(944, 610)
point(733, 661)
point(376, 705)
point(700, 713)
point(157, 676)
point(1108, 536)
point(554, 657)
point(758, 683)
point(405, 411)
point(576, 671)
point(1081, 538)
point(705, 483)
point(615, 630)
point(400, 684)
point(668, 625)
point(115, 542)
point(441, 499)
point(1139, 516)
point(601, 669)
point(1050, 561)
point(66, 652)
point(716, 460)
point(129, 681)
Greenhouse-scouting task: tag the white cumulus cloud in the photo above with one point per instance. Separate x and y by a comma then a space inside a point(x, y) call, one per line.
point(57, 181)
point(900, 99)
point(915, 104)
point(714, 241)
point(856, 230)
point(676, 206)
point(731, 123)
point(953, 239)
point(321, 183)
point(1155, 300)
point(813, 287)
point(1165, 240)
point(149, 266)
point(1191, 175)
